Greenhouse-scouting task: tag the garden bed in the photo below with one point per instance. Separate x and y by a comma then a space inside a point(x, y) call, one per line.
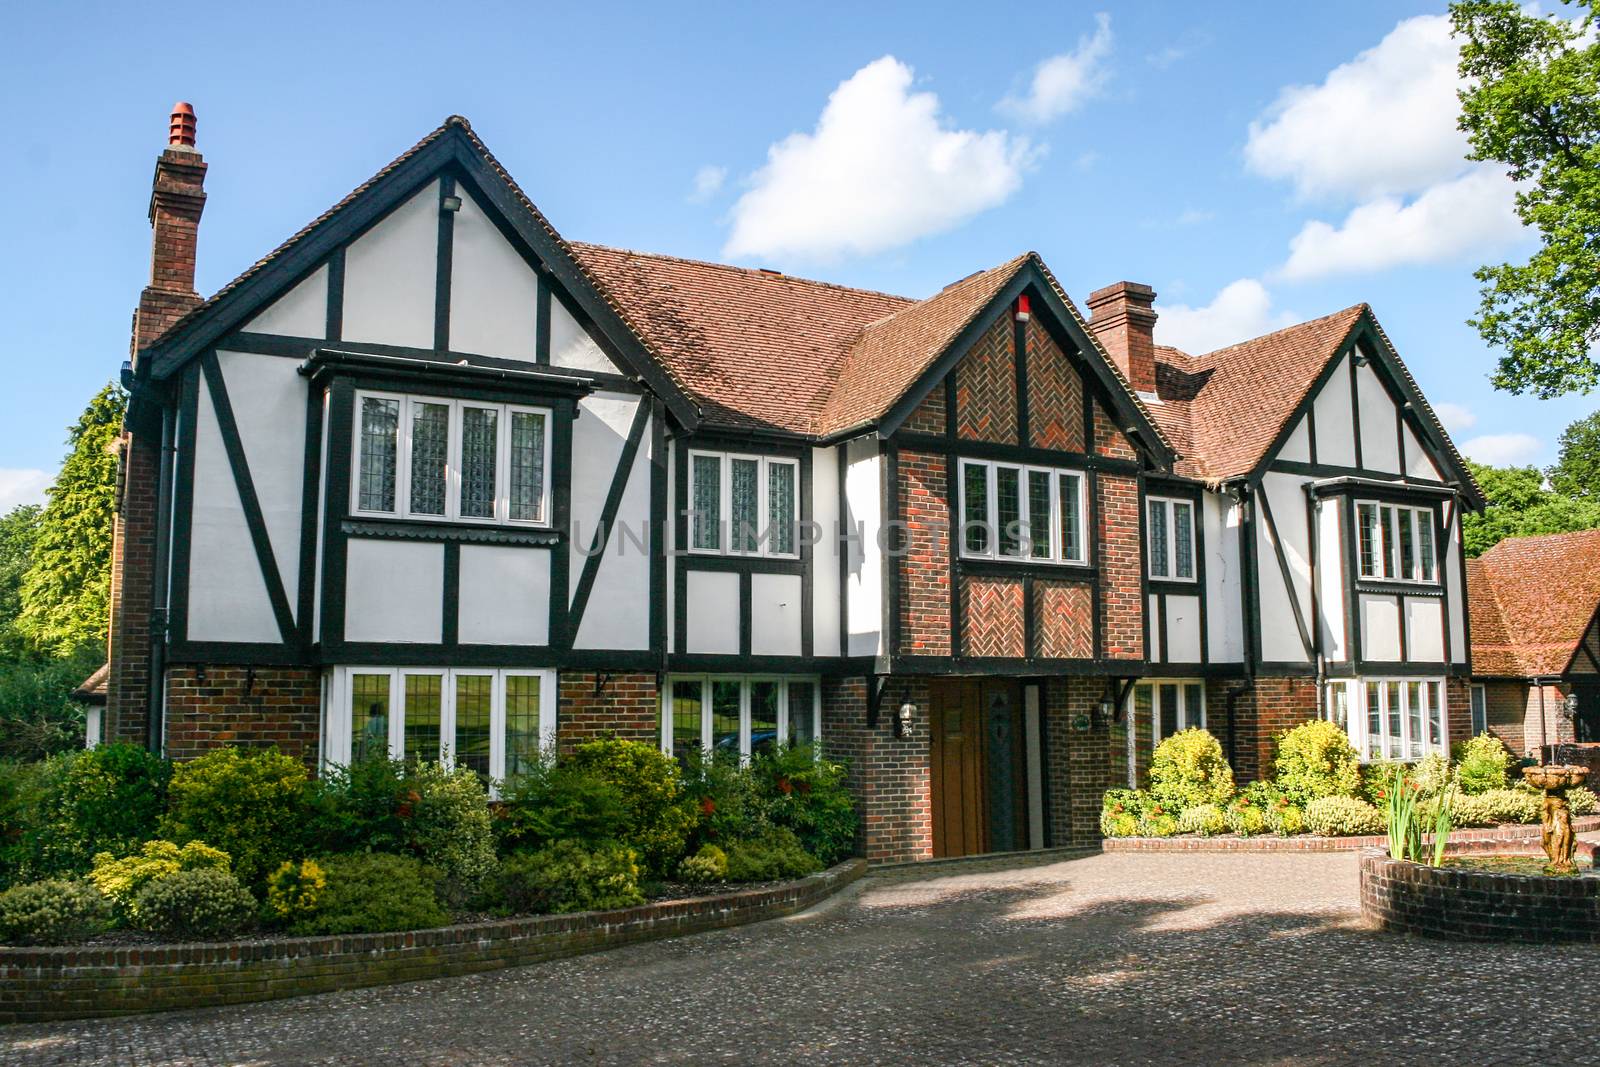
point(38, 984)
point(1516, 832)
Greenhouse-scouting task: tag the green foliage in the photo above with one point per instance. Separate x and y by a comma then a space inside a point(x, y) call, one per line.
point(38, 717)
point(199, 904)
point(52, 912)
point(567, 876)
point(373, 893)
point(65, 592)
point(1286, 820)
point(250, 803)
point(1483, 764)
point(1158, 822)
point(121, 880)
point(19, 531)
point(806, 792)
point(1532, 103)
point(1495, 807)
point(23, 835)
point(1403, 818)
point(1577, 470)
point(1441, 826)
point(657, 814)
point(1431, 775)
point(774, 855)
point(1119, 824)
point(1188, 768)
point(1120, 812)
point(1207, 820)
point(554, 802)
point(1315, 759)
point(1582, 800)
point(1340, 816)
point(294, 889)
point(449, 827)
point(1245, 819)
point(1520, 506)
point(107, 799)
point(710, 864)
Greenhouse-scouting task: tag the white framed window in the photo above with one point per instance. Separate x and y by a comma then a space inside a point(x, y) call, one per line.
point(742, 714)
point(743, 505)
point(443, 460)
point(1025, 514)
point(1395, 543)
point(1480, 710)
point(497, 722)
point(1169, 538)
point(1169, 705)
point(1391, 718)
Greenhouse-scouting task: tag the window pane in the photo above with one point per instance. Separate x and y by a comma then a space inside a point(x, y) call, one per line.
point(1480, 710)
point(424, 698)
point(1387, 514)
point(1071, 522)
point(479, 451)
point(707, 503)
point(802, 713)
point(725, 717)
point(527, 466)
point(1374, 721)
point(380, 421)
point(1435, 714)
point(1194, 705)
point(1008, 500)
point(685, 718)
point(780, 506)
point(1169, 709)
point(744, 480)
point(522, 723)
point(474, 693)
point(763, 716)
point(1367, 524)
point(975, 515)
point(1183, 539)
point(369, 717)
point(1393, 722)
point(1408, 559)
point(1158, 539)
point(1039, 514)
point(430, 440)
point(1143, 707)
point(1413, 695)
point(1425, 544)
point(1339, 706)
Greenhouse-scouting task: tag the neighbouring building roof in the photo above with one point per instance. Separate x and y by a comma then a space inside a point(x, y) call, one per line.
point(1531, 599)
point(92, 690)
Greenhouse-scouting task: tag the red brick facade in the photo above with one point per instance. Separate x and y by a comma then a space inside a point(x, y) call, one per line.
point(1063, 619)
point(992, 621)
point(929, 416)
point(891, 777)
point(602, 704)
point(1525, 717)
point(986, 387)
point(251, 707)
point(1055, 394)
point(1121, 567)
point(925, 570)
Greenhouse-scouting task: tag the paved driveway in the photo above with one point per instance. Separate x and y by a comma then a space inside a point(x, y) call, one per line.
point(1106, 959)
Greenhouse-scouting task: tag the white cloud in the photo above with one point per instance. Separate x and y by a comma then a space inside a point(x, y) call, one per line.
point(1381, 124)
point(1447, 222)
point(1063, 82)
point(1457, 418)
point(22, 485)
point(1242, 310)
point(1503, 449)
point(881, 169)
point(707, 183)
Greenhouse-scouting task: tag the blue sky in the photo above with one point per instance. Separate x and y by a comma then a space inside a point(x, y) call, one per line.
point(1256, 165)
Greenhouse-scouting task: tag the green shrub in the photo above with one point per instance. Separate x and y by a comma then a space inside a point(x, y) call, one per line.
point(22, 827)
point(1315, 759)
point(1431, 775)
point(294, 889)
point(202, 903)
point(551, 803)
point(1376, 778)
point(657, 816)
point(710, 864)
point(121, 879)
point(1188, 769)
point(807, 793)
point(52, 912)
point(373, 893)
point(725, 796)
point(1340, 816)
point(1245, 819)
point(1582, 800)
point(1158, 822)
point(1119, 824)
point(565, 877)
point(1120, 812)
point(38, 717)
point(1495, 807)
point(1286, 821)
point(1207, 820)
point(774, 855)
point(1483, 764)
point(251, 804)
point(1266, 796)
point(449, 827)
point(365, 807)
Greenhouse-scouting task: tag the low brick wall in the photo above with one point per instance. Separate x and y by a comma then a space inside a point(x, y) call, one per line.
point(1467, 905)
point(38, 984)
point(1307, 843)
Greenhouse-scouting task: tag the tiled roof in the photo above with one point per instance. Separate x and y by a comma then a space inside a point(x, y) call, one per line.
point(1531, 599)
point(92, 690)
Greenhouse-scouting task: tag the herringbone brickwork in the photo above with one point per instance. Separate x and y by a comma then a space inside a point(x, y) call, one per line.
point(1063, 619)
point(986, 388)
point(991, 617)
point(1055, 394)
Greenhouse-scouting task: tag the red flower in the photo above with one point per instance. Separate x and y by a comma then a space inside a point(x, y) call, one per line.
point(804, 787)
point(707, 805)
point(403, 810)
point(785, 786)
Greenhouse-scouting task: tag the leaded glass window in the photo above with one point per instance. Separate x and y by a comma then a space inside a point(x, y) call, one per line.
point(780, 506)
point(744, 489)
point(1158, 539)
point(474, 701)
point(758, 495)
point(763, 716)
point(430, 455)
point(479, 454)
point(1396, 543)
point(725, 697)
point(742, 716)
point(685, 718)
point(975, 507)
point(1039, 514)
point(424, 709)
point(1183, 539)
point(380, 420)
point(707, 502)
point(1025, 514)
point(1070, 486)
point(527, 466)
point(522, 723)
point(1170, 538)
point(1008, 503)
point(802, 713)
point(369, 717)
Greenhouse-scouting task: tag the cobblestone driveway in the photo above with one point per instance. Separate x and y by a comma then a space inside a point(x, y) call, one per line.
point(1105, 959)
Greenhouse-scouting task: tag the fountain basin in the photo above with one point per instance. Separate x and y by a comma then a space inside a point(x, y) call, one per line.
point(1552, 777)
point(1467, 904)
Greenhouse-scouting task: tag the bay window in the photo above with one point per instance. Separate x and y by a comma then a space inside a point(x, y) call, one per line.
point(738, 715)
point(743, 505)
point(1169, 706)
point(494, 722)
point(1014, 512)
point(1169, 538)
point(1394, 542)
point(1390, 718)
point(433, 458)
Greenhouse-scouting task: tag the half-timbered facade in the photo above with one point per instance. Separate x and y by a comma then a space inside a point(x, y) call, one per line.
point(431, 480)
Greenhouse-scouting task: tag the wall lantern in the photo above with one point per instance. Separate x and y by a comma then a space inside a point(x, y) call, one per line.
point(904, 718)
point(1105, 712)
point(451, 203)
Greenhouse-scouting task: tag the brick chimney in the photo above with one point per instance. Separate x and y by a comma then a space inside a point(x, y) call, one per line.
point(177, 197)
point(1121, 317)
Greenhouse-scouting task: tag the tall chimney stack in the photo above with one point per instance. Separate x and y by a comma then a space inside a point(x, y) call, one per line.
point(177, 197)
point(1122, 318)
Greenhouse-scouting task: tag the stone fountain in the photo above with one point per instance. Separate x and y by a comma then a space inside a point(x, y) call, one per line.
point(1558, 839)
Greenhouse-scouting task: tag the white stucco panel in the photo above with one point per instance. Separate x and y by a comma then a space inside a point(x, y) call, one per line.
point(571, 345)
point(389, 276)
point(494, 294)
point(1183, 629)
point(1152, 611)
point(505, 595)
point(1297, 448)
point(863, 559)
point(301, 312)
point(825, 554)
point(1330, 577)
point(713, 612)
point(775, 614)
point(1336, 440)
point(1224, 622)
point(598, 436)
point(268, 396)
point(618, 613)
point(1419, 462)
point(1380, 628)
point(1424, 629)
point(1280, 627)
point(394, 591)
point(1380, 441)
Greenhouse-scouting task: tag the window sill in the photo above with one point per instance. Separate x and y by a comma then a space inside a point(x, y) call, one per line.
point(1017, 568)
point(1388, 588)
point(467, 533)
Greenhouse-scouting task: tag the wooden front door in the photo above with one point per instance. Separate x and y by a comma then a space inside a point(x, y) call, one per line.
point(979, 766)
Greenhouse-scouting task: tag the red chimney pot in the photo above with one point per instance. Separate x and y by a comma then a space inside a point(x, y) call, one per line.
point(181, 130)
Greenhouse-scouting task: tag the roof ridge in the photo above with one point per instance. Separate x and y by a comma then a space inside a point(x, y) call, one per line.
point(1358, 308)
point(693, 262)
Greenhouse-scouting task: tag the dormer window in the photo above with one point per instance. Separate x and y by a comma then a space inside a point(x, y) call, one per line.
point(1395, 543)
point(743, 505)
point(1169, 533)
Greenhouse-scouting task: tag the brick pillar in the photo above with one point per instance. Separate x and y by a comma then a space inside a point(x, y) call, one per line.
point(1080, 765)
point(1124, 322)
point(891, 777)
point(592, 704)
point(177, 199)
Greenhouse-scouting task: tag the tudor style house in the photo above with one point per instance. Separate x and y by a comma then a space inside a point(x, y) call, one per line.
point(430, 479)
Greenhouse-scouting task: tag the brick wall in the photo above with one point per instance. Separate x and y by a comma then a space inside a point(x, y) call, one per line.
point(624, 704)
point(929, 415)
point(1079, 765)
point(925, 570)
point(1516, 717)
point(1108, 440)
point(1121, 568)
point(1458, 710)
point(249, 707)
point(986, 387)
point(992, 622)
point(132, 572)
point(1274, 705)
point(1063, 623)
point(1055, 394)
point(1465, 905)
point(890, 777)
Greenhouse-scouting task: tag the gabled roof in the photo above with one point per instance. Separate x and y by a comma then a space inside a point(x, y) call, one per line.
point(1531, 600)
point(92, 690)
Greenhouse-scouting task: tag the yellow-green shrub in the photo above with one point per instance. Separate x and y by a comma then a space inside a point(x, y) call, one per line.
point(294, 889)
point(710, 864)
point(51, 912)
point(1316, 759)
point(1582, 800)
point(1483, 764)
point(1206, 820)
point(1495, 807)
point(1286, 821)
point(122, 879)
point(1246, 819)
point(657, 816)
point(1187, 769)
point(251, 804)
point(204, 903)
point(1341, 816)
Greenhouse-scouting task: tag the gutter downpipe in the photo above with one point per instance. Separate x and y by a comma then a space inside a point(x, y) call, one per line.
point(157, 713)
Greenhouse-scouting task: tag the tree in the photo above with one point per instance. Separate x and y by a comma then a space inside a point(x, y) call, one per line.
point(1577, 471)
point(66, 591)
point(19, 529)
point(1533, 104)
point(1519, 506)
